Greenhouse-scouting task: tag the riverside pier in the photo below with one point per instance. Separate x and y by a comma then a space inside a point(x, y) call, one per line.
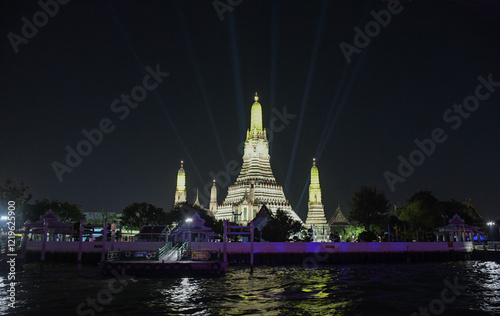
point(274, 252)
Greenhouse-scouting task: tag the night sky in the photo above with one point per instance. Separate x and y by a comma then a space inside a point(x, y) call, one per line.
point(356, 118)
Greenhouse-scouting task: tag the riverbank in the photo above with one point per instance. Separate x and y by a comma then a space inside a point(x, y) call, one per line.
point(273, 253)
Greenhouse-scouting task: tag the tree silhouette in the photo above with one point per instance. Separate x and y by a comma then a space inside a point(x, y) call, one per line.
point(425, 212)
point(368, 207)
point(280, 227)
point(19, 194)
point(138, 214)
point(66, 212)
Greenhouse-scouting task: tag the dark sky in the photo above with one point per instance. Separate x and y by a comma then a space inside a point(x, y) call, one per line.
point(356, 117)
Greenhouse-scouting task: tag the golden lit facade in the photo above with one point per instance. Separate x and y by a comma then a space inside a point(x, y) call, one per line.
point(255, 184)
point(180, 189)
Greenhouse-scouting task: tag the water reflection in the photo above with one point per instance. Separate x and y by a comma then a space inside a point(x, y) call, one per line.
point(4, 299)
point(379, 289)
point(183, 296)
point(488, 289)
point(279, 290)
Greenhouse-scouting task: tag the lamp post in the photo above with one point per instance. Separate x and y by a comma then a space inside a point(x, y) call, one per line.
point(445, 217)
point(188, 221)
point(491, 224)
point(3, 219)
point(113, 230)
point(235, 216)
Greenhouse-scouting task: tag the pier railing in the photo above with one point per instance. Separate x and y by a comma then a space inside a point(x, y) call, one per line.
point(183, 249)
point(163, 250)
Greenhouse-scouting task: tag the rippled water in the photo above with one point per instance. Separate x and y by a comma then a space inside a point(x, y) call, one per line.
point(377, 289)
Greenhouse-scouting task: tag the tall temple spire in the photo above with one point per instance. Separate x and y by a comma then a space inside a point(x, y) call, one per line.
point(316, 215)
point(314, 188)
point(197, 201)
point(213, 199)
point(256, 115)
point(180, 189)
point(256, 160)
point(255, 185)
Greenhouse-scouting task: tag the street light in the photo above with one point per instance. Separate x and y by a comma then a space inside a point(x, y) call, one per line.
point(189, 220)
point(235, 216)
point(113, 229)
point(491, 224)
point(445, 217)
point(3, 218)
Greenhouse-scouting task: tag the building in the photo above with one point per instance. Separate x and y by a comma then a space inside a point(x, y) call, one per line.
point(194, 231)
point(255, 185)
point(457, 230)
point(316, 219)
point(338, 222)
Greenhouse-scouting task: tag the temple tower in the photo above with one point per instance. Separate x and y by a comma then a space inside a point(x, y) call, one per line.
point(180, 189)
point(255, 185)
point(197, 201)
point(316, 214)
point(213, 199)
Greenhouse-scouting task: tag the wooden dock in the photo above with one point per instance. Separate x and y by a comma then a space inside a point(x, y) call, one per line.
point(167, 260)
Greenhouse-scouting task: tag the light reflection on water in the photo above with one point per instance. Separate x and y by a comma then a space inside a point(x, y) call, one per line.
point(378, 289)
point(489, 295)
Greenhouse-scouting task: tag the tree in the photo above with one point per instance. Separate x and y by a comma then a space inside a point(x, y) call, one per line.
point(19, 194)
point(425, 212)
point(280, 227)
point(465, 210)
point(138, 214)
point(367, 236)
point(368, 207)
point(422, 211)
point(97, 218)
point(66, 212)
point(352, 232)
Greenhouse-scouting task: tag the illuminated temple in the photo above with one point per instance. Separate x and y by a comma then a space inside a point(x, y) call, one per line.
point(255, 184)
point(316, 214)
point(180, 188)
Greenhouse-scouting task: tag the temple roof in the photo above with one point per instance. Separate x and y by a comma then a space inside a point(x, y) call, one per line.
point(457, 220)
point(262, 217)
point(197, 201)
point(49, 215)
point(338, 218)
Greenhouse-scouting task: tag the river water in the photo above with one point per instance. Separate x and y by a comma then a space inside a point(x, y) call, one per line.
point(453, 288)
